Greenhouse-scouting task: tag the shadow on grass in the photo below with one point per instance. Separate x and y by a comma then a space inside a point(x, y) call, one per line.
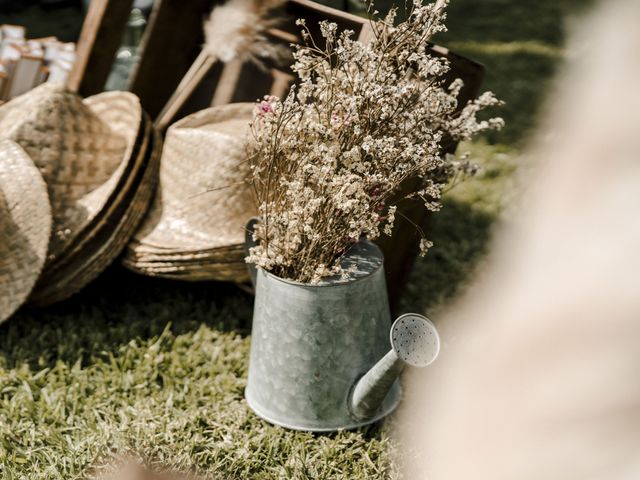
point(460, 235)
point(120, 307)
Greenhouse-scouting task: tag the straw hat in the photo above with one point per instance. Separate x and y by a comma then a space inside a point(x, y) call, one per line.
point(100, 245)
point(25, 226)
point(81, 148)
point(195, 227)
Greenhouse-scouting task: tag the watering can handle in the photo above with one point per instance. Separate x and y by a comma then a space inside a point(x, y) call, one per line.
point(248, 243)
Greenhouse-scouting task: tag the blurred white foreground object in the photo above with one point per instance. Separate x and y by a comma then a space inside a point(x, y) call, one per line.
point(540, 378)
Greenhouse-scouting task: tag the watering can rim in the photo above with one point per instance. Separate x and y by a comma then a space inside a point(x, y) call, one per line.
point(340, 283)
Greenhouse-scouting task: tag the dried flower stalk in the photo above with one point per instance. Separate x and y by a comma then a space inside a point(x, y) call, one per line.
point(327, 160)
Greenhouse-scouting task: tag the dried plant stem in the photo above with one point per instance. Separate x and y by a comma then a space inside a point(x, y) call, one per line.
point(329, 160)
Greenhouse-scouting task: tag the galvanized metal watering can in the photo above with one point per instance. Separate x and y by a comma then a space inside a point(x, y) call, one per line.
point(320, 356)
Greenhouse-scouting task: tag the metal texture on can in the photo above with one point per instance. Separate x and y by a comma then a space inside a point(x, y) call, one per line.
point(311, 343)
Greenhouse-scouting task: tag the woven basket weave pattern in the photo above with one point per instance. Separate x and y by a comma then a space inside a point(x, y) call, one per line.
point(78, 148)
point(109, 237)
point(25, 226)
point(202, 202)
point(195, 228)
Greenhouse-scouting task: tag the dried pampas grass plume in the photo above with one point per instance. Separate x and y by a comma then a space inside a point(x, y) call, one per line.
point(238, 28)
point(236, 31)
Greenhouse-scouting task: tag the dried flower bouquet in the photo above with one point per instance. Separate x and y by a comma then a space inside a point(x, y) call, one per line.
point(327, 161)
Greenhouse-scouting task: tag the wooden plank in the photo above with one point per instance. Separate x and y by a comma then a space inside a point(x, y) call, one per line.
point(314, 13)
point(100, 38)
point(247, 91)
point(203, 94)
point(227, 83)
point(281, 83)
point(198, 71)
point(171, 43)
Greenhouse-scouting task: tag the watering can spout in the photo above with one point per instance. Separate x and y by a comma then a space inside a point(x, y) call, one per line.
point(415, 342)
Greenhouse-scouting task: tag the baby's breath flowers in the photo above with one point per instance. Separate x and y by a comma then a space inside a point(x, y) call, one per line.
point(327, 161)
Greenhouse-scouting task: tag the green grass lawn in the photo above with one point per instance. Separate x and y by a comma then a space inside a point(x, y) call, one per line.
point(156, 369)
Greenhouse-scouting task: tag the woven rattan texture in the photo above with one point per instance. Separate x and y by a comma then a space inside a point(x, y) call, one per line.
point(202, 202)
point(75, 150)
point(116, 226)
point(25, 226)
point(195, 227)
point(118, 187)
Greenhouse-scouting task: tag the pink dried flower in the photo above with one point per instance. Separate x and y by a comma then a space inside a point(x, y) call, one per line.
point(265, 107)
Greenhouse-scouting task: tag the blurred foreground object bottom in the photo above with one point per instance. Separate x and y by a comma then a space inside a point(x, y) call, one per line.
point(540, 377)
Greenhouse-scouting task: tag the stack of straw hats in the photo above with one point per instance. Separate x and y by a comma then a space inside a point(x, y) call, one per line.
point(99, 160)
point(195, 227)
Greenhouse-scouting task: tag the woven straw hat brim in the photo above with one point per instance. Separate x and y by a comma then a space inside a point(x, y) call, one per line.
point(80, 148)
point(149, 262)
point(226, 264)
point(25, 226)
point(222, 272)
point(178, 256)
point(126, 179)
point(208, 266)
point(188, 256)
point(206, 270)
point(210, 263)
point(114, 232)
point(230, 258)
point(227, 267)
point(111, 248)
point(202, 202)
point(237, 273)
point(123, 113)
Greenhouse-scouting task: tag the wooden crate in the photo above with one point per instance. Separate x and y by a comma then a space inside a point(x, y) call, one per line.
point(171, 44)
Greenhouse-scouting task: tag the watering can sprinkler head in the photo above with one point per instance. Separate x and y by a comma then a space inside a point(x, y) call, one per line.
point(414, 342)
